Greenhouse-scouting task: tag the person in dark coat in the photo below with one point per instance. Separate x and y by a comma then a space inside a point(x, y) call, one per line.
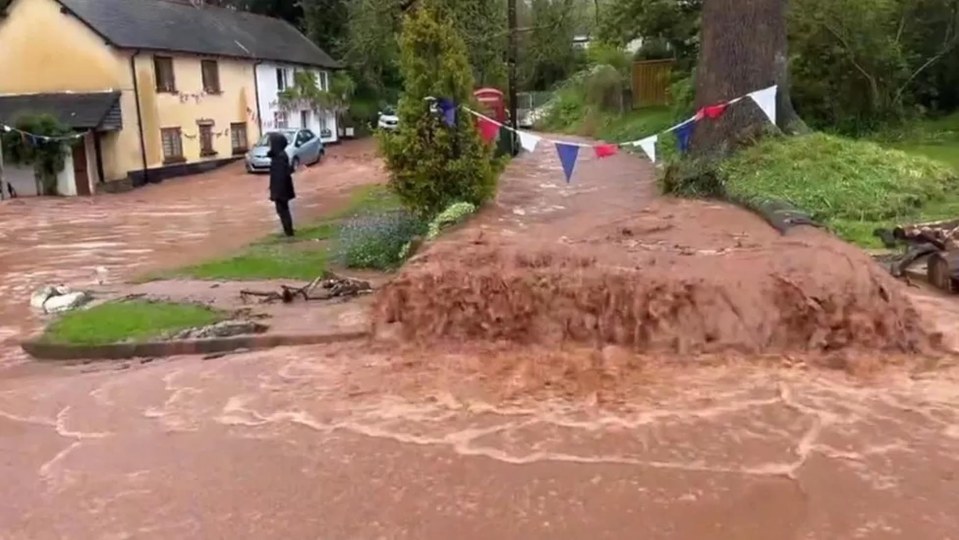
point(281, 181)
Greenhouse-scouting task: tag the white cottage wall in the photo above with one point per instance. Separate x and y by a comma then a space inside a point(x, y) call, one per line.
point(272, 79)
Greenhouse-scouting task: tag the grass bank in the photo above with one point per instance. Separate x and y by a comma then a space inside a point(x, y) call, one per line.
point(852, 186)
point(303, 257)
point(128, 321)
point(937, 139)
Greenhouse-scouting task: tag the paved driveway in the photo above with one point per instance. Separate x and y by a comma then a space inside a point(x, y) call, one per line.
point(184, 220)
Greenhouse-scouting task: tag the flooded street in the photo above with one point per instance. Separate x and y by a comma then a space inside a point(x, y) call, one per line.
point(179, 222)
point(368, 441)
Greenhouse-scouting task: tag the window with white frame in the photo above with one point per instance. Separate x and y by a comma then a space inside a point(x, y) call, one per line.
point(325, 81)
point(281, 120)
point(282, 79)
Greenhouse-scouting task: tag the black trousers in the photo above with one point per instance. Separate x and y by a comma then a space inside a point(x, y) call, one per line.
point(286, 219)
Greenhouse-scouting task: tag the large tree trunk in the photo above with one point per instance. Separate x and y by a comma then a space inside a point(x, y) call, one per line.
point(743, 49)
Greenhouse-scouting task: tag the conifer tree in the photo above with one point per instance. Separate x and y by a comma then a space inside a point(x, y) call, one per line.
point(433, 165)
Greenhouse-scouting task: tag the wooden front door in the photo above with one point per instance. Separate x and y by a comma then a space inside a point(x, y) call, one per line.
point(80, 174)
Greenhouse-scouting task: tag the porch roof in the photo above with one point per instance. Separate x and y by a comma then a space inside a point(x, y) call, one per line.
point(96, 110)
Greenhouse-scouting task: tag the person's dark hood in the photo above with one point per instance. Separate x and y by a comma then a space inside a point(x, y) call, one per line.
point(278, 144)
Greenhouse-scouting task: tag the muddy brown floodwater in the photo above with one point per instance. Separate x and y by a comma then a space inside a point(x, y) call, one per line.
point(465, 438)
point(181, 221)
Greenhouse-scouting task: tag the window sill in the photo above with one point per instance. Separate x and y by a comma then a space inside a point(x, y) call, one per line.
point(240, 151)
point(174, 160)
point(212, 92)
point(207, 154)
point(166, 91)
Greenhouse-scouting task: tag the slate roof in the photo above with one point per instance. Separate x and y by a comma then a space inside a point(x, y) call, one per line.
point(167, 26)
point(79, 111)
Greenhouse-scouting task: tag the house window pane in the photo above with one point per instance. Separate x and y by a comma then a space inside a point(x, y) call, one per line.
point(163, 70)
point(280, 79)
point(238, 138)
point(206, 140)
point(211, 76)
point(280, 120)
point(172, 144)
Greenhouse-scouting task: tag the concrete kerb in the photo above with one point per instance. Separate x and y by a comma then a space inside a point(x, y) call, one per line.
point(156, 349)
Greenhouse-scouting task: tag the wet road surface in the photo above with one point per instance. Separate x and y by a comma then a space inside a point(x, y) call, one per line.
point(181, 221)
point(326, 442)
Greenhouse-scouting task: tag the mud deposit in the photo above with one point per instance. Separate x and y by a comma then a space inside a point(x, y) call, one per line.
point(757, 302)
point(600, 265)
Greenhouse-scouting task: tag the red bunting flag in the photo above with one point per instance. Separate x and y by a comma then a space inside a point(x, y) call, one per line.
point(714, 111)
point(488, 129)
point(606, 150)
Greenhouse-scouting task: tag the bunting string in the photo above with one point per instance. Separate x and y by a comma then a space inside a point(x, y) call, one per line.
point(568, 151)
point(42, 138)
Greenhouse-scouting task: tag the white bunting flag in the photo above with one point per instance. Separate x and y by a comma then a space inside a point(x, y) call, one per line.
point(766, 99)
point(528, 141)
point(649, 146)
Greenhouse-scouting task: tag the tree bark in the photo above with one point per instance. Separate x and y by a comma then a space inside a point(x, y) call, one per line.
point(743, 48)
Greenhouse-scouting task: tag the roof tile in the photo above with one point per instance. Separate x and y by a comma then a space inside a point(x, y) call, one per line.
point(169, 26)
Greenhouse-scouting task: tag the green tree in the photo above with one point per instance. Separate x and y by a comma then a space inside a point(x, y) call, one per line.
point(482, 23)
point(326, 23)
point(547, 54)
point(665, 26)
point(371, 45)
point(432, 165)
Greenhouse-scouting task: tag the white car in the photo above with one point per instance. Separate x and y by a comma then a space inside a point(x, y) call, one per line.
point(388, 120)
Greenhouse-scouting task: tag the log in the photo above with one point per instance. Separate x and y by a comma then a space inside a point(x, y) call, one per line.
point(942, 234)
point(942, 271)
point(913, 255)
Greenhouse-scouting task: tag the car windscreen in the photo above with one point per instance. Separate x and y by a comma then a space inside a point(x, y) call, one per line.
point(265, 139)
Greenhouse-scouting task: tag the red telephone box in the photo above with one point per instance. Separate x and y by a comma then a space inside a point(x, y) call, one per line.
point(492, 102)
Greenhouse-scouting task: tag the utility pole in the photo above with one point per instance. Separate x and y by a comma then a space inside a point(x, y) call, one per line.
point(513, 38)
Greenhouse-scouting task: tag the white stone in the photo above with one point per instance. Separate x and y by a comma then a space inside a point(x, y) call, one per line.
point(40, 297)
point(66, 302)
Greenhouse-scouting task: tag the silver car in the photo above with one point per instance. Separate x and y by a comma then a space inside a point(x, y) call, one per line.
point(388, 120)
point(304, 148)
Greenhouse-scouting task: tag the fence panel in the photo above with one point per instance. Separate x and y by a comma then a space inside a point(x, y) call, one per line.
point(651, 82)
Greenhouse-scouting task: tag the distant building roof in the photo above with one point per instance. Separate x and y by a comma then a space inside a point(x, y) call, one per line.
point(177, 27)
point(98, 110)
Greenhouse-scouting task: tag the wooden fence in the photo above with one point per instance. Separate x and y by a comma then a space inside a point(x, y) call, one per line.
point(651, 80)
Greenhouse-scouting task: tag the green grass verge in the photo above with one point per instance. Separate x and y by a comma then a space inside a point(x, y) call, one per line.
point(935, 138)
point(127, 321)
point(302, 258)
point(852, 186)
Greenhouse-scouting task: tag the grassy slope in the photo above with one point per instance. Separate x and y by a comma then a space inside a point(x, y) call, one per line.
point(121, 321)
point(304, 257)
point(852, 186)
point(937, 139)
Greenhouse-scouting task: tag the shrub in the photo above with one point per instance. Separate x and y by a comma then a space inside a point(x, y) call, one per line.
point(432, 165)
point(604, 89)
point(604, 54)
point(376, 241)
point(449, 217)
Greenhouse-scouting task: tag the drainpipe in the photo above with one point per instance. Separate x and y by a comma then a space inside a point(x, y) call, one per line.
point(256, 92)
point(136, 96)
